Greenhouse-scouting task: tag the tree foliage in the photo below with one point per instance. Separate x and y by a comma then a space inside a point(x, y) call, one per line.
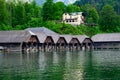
point(3, 12)
point(72, 8)
point(59, 9)
point(20, 15)
point(109, 19)
point(47, 11)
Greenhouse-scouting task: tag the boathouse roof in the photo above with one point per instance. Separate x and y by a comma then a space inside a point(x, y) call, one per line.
point(42, 30)
point(81, 38)
point(68, 38)
point(15, 36)
point(41, 37)
point(55, 38)
point(109, 37)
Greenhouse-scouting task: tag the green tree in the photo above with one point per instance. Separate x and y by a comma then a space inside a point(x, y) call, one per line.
point(4, 16)
point(72, 8)
point(47, 11)
point(109, 20)
point(93, 16)
point(32, 14)
point(19, 14)
point(59, 9)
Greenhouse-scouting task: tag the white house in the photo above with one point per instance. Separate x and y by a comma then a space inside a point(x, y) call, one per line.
point(75, 18)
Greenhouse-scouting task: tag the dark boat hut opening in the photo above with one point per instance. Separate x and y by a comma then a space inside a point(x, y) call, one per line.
point(106, 41)
point(61, 43)
point(18, 40)
point(46, 42)
point(72, 42)
point(46, 37)
point(68, 38)
point(75, 42)
point(86, 42)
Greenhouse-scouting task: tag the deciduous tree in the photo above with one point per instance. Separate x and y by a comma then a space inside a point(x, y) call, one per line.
point(109, 19)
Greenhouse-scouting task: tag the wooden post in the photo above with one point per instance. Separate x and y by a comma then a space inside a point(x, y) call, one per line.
point(44, 47)
point(72, 46)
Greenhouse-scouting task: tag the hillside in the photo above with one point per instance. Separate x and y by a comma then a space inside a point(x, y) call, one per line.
point(100, 16)
point(100, 3)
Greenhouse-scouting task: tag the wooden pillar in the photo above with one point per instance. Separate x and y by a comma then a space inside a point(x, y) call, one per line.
point(60, 46)
point(52, 48)
point(76, 46)
point(47, 46)
point(72, 46)
point(37, 47)
point(68, 47)
point(44, 47)
point(55, 47)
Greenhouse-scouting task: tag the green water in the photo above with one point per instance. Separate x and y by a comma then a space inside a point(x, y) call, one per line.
point(76, 65)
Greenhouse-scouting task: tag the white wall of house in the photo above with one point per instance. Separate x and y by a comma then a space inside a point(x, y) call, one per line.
point(73, 18)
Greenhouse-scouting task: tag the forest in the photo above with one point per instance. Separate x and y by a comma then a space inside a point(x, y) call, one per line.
point(101, 16)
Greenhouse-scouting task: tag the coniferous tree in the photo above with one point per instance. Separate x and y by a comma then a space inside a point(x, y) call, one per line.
point(72, 8)
point(109, 20)
point(93, 16)
point(4, 16)
point(47, 11)
point(59, 9)
point(19, 14)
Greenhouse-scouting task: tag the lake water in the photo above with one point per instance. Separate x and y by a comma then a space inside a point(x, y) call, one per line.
point(75, 65)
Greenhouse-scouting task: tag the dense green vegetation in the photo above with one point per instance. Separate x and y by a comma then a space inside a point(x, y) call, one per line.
point(100, 16)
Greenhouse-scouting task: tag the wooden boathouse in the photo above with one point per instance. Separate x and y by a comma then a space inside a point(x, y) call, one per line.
point(45, 42)
point(106, 41)
point(86, 42)
point(47, 38)
point(42, 39)
point(56, 41)
point(75, 42)
point(18, 40)
point(72, 42)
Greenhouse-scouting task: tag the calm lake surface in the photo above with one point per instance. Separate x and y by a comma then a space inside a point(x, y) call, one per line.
point(75, 65)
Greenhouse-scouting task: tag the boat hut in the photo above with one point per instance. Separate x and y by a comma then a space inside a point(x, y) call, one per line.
point(106, 41)
point(72, 42)
point(18, 40)
point(75, 42)
point(61, 43)
point(68, 38)
point(46, 42)
point(86, 42)
point(47, 38)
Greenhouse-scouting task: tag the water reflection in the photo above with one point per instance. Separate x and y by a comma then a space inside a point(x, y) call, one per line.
point(76, 65)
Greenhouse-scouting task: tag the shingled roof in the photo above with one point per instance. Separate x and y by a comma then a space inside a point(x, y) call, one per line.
point(42, 30)
point(68, 38)
point(109, 37)
point(55, 38)
point(41, 37)
point(15, 36)
point(81, 38)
